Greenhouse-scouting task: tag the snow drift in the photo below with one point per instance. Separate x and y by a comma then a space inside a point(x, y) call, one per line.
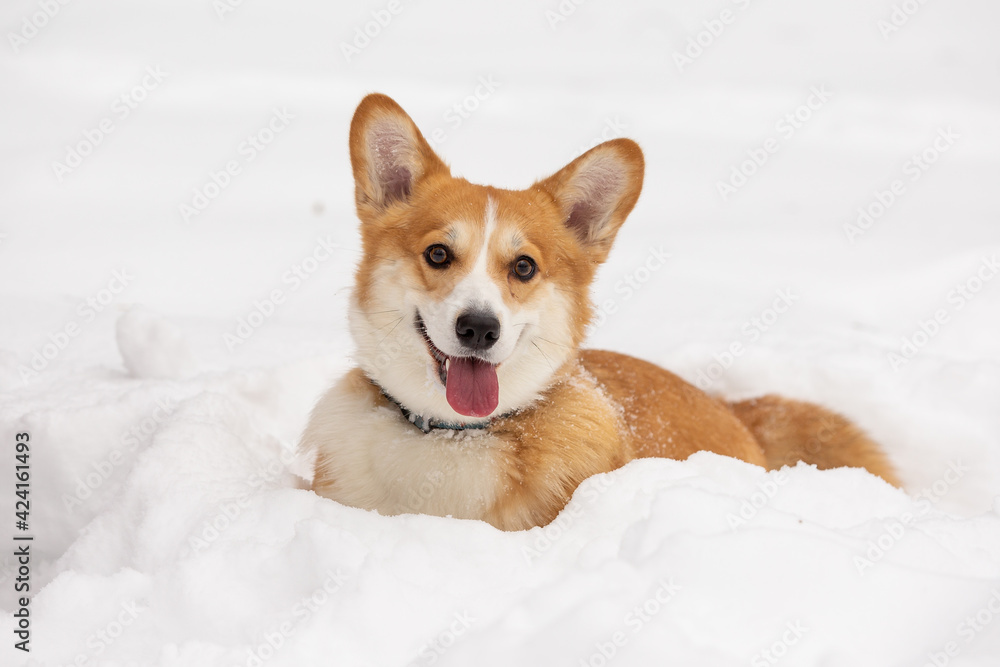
point(177, 241)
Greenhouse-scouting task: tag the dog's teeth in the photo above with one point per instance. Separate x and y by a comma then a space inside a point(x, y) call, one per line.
point(447, 362)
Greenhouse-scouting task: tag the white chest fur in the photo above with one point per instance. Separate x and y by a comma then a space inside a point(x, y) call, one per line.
point(371, 457)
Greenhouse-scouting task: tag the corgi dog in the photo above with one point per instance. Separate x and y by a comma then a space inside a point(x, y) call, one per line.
point(472, 397)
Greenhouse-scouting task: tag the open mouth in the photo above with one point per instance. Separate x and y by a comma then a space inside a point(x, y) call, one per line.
point(471, 384)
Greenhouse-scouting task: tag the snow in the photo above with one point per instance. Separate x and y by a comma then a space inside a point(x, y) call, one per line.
point(152, 346)
point(172, 515)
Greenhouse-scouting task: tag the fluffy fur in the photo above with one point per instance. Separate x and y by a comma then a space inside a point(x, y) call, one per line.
point(563, 413)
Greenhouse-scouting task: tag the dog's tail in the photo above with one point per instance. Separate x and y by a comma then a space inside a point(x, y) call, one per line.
point(792, 431)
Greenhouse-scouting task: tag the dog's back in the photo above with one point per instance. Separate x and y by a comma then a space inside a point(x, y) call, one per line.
point(671, 418)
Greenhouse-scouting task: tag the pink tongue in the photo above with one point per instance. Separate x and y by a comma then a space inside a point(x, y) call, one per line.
point(472, 388)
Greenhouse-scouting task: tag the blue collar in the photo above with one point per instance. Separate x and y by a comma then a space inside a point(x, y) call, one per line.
point(428, 424)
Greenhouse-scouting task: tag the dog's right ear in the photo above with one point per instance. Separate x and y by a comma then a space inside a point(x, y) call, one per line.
point(389, 156)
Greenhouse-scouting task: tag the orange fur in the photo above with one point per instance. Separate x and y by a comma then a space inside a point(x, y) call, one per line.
point(597, 410)
point(792, 431)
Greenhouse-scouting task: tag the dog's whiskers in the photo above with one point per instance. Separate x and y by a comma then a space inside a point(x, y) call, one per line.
point(552, 342)
point(375, 312)
point(379, 344)
point(545, 356)
point(394, 324)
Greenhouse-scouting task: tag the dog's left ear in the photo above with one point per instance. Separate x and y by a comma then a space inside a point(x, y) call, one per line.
point(389, 156)
point(596, 192)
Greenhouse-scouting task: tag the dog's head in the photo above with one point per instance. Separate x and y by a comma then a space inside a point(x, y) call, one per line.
point(469, 298)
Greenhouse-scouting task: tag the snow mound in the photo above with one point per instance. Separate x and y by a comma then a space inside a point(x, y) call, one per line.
point(211, 552)
point(153, 347)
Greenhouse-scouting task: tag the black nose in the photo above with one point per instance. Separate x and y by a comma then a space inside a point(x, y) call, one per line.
point(477, 331)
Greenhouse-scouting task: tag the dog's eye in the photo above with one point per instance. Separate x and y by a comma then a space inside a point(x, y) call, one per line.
point(525, 268)
point(438, 256)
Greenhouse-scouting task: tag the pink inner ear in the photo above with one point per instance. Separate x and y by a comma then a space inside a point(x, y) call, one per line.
point(581, 220)
point(392, 156)
point(596, 189)
point(396, 184)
